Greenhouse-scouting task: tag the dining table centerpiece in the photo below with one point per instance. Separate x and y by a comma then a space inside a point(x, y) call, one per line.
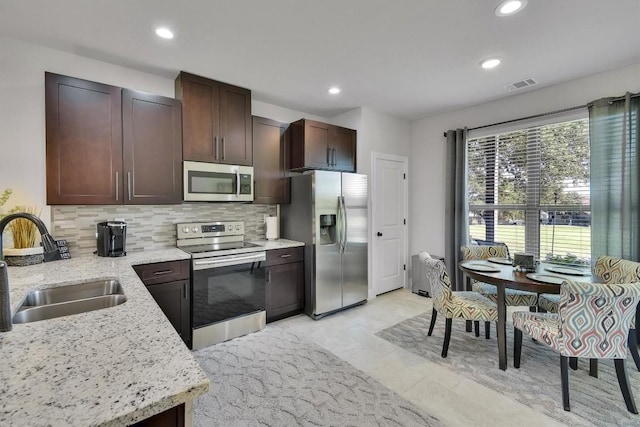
point(569, 259)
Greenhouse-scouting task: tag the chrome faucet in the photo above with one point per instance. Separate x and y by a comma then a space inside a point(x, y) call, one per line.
point(51, 253)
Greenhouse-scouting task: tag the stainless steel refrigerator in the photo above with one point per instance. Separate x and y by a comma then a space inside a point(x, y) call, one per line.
point(328, 212)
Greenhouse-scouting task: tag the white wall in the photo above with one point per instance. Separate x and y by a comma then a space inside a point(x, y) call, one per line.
point(382, 133)
point(427, 172)
point(22, 118)
point(377, 132)
point(22, 115)
point(22, 110)
point(281, 114)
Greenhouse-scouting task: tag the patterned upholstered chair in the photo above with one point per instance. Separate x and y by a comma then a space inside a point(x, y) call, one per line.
point(513, 297)
point(609, 270)
point(462, 305)
point(593, 322)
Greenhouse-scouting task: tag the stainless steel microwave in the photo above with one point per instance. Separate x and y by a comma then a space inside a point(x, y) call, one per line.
point(213, 182)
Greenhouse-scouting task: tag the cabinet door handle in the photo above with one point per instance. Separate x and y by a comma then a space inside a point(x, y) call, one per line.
point(186, 293)
point(268, 276)
point(334, 157)
point(215, 141)
point(285, 256)
point(329, 156)
point(223, 152)
point(117, 192)
point(129, 184)
point(162, 272)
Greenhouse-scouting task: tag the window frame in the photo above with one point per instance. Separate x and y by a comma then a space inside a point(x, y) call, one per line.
point(532, 207)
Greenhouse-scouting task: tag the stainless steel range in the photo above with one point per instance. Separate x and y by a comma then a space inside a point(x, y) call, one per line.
point(227, 281)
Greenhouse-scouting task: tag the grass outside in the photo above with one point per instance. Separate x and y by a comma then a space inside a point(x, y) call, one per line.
point(566, 239)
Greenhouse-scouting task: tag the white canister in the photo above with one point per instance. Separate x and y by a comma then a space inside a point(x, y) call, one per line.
point(272, 227)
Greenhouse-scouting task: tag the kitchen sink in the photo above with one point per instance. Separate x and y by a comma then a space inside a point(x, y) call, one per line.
point(61, 301)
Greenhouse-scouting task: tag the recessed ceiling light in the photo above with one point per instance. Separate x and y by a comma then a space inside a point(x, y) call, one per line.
point(490, 63)
point(509, 7)
point(165, 33)
point(334, 90)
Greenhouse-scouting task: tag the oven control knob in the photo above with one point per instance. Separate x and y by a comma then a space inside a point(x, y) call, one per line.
point(229, 227)
point(185, 229)
point(194, 229)
point(237, 226)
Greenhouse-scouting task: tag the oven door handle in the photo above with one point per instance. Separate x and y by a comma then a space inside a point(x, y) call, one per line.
point(228, 261)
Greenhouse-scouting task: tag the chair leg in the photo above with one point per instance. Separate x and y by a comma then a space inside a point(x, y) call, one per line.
point(487, 330)
point(447, 337)
point(564, 379)
point(468, 325)
point(434, 314)
point(623, 380)
point(633, 346)
point(476, 327)
point(517, 347)
point(593, 368)
point(573, 363)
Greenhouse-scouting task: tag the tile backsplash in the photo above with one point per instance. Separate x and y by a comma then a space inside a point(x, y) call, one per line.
point(151, 226)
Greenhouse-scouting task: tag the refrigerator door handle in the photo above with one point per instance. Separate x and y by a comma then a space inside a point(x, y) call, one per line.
point(340, 225)
point(345, 224)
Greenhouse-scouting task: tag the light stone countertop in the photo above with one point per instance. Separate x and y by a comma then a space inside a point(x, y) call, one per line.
point(109, 367)
point(277, 244)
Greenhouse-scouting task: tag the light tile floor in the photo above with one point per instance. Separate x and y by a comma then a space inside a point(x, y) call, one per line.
point(454, 399)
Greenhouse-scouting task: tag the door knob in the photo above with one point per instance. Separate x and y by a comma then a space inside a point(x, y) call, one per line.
point(379, 234)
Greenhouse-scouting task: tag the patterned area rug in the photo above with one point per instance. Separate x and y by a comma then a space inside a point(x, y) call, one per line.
point(594, 401)
point(277, 378)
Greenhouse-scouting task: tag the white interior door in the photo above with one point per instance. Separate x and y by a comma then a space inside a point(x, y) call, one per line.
point(389, 222)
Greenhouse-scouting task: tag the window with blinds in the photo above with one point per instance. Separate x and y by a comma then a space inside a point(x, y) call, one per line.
point(528, 187)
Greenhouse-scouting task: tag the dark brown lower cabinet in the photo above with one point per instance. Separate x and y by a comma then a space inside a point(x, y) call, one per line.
point(173, 299)
point(284, 275)
point(173, 417)
point(168, 283)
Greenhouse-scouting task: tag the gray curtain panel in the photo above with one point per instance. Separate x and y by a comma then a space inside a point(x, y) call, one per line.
point(456, 210)
point(614, 129)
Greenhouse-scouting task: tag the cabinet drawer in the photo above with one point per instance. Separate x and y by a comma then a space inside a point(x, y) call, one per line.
point(163, 272)
point(284, 256)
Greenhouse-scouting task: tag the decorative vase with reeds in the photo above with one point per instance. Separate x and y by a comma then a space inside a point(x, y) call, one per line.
point(23, 232)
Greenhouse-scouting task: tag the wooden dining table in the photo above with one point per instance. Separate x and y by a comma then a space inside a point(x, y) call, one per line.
point(507, 277)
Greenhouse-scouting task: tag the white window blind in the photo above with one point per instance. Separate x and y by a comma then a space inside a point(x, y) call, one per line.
point(528, 186)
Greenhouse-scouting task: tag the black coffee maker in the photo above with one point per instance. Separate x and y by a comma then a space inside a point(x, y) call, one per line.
point(112, 238)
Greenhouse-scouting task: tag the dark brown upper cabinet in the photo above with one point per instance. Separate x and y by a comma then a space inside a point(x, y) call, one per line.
point(108, 145)
point(270, 161)
point(317, 145)
point(343, 142)
point(152, 148)
point(216, 121)
point(84, 142)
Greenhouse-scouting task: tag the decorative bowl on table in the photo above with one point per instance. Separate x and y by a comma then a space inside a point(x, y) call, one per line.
point(568, 260)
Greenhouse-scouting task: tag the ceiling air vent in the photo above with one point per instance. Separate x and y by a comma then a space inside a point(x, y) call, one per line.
point(520, 85)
